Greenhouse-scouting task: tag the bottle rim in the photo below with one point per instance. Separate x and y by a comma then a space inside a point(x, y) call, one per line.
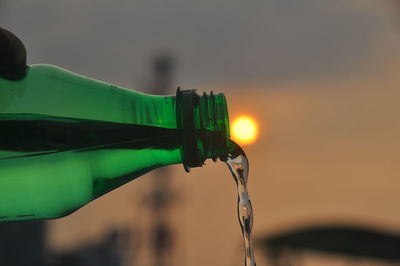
point(204, 122)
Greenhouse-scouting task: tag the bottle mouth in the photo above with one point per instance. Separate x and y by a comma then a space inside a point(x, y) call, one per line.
point(204, 122)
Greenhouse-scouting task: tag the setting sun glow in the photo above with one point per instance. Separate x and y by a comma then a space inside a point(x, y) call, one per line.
point(244, 130)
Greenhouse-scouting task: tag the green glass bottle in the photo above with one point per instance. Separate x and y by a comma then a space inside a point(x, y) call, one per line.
point(66, 139)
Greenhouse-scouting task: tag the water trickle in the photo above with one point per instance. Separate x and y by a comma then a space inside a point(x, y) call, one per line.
point(239, 166)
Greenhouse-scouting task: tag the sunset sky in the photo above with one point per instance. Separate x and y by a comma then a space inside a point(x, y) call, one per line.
point(320, 77)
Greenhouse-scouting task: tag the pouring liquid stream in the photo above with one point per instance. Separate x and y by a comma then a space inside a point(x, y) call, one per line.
point(239, 167)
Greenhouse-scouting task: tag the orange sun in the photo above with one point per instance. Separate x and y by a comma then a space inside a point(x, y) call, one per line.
point(244, 130)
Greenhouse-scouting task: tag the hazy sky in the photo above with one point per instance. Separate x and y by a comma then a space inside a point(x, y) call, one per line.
point(326, 151)
point(215, 42)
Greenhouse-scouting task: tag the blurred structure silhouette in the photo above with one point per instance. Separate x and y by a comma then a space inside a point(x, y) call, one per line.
point(162, 73)
point(22, 243)
point(355, 242)
point(109, 251)
point(161, 198)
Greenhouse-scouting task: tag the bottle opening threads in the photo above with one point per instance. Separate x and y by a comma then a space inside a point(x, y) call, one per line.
point(205, 126)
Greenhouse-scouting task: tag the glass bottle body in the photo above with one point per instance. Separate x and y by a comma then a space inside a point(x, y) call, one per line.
point(67, 139)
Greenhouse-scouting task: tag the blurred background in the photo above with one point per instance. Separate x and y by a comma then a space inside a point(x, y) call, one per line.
point(319, 77)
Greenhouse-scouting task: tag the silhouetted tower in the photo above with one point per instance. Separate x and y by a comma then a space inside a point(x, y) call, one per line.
point(161, 198)
point(163, 68)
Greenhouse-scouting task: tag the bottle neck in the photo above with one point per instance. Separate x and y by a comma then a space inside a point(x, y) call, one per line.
point(201, 120)
point(205, 127)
